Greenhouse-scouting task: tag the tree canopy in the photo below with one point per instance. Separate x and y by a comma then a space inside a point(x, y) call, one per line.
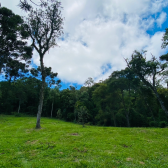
point(15, 53)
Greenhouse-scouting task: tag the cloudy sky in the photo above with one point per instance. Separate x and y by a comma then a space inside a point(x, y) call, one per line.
point(99, 34)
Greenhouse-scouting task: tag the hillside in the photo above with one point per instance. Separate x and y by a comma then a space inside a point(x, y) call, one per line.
point(63, 144)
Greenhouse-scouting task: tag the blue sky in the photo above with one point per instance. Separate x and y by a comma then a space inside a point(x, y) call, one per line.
point(98, 34)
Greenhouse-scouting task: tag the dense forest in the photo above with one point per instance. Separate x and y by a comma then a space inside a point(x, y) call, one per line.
point(121, 101)
point(132, 97)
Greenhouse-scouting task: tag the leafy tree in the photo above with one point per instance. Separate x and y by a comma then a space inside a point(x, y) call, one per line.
point(146, 70)
point(99, 96)
point(89, 82)
point(164, 45)
point(50, 77)
point(13, 44)
point(8, 98)
point(53, 94)
point(82, 115)
point(20, 92)
point(67, 103)
point(59, 114)
point(44, 25)
point(32, 88)
point(124, 82)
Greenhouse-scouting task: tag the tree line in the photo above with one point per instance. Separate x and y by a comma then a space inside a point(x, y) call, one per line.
point(122, 100)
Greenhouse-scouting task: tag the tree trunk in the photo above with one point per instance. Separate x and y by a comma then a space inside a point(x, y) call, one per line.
point(114, 119)
point(114, 122)
point(149, 108)
point(160, 101)
point(40, 106)
point(52, 109)
point(128, 122)
point(126, 113)
point(155, 92)
point(19, 107)
point(0, 68)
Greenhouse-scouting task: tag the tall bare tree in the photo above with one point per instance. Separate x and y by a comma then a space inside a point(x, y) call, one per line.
point(27, 5)
point(44, 26)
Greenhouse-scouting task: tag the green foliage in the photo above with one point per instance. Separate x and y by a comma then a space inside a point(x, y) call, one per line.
point(59, 114)
point(153, 124)
point(117, 101)
point(165, 39)
point(13, 45)
point(16, 114)
point(146, 70)
point(82, 114)
point(89, 82)
point(163, 124)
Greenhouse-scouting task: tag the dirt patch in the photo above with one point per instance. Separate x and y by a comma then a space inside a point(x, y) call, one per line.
point(75, 134)
point(142, 163)
point(33, 152)
point(126, 146)
point(129, 159)
point(20, 153)
point(32, 142)
point(143, 131)
point(109, 152)
point(29, 131)
point(81, 151)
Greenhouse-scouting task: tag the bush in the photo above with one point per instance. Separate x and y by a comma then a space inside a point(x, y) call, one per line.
point(162, 124)
point(59, 114)
point(153, 124)
point(16, 114)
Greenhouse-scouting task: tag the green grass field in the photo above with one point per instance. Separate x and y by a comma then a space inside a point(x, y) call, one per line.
point(62, 144)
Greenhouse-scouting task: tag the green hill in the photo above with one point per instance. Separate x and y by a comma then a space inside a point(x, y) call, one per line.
point(62, 144)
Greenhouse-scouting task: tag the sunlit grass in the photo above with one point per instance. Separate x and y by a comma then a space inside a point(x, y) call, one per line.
point(62, 144)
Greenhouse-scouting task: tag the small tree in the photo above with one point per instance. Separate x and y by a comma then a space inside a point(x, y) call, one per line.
point(82, 115)
point(59, 114)
point(20, 92)
point(89, 82)
point(52, 96)
point(44, 25)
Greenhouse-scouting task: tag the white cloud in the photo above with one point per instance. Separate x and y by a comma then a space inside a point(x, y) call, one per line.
point(154, 46)
point(103, 32)
point(161, 19)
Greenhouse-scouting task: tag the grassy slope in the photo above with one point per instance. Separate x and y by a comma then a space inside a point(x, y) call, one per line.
point(61, 144)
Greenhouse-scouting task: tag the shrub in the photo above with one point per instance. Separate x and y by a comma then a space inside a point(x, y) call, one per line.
point(162, 124)
point(16, 114)
point(153, 124)
point(59, 114)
